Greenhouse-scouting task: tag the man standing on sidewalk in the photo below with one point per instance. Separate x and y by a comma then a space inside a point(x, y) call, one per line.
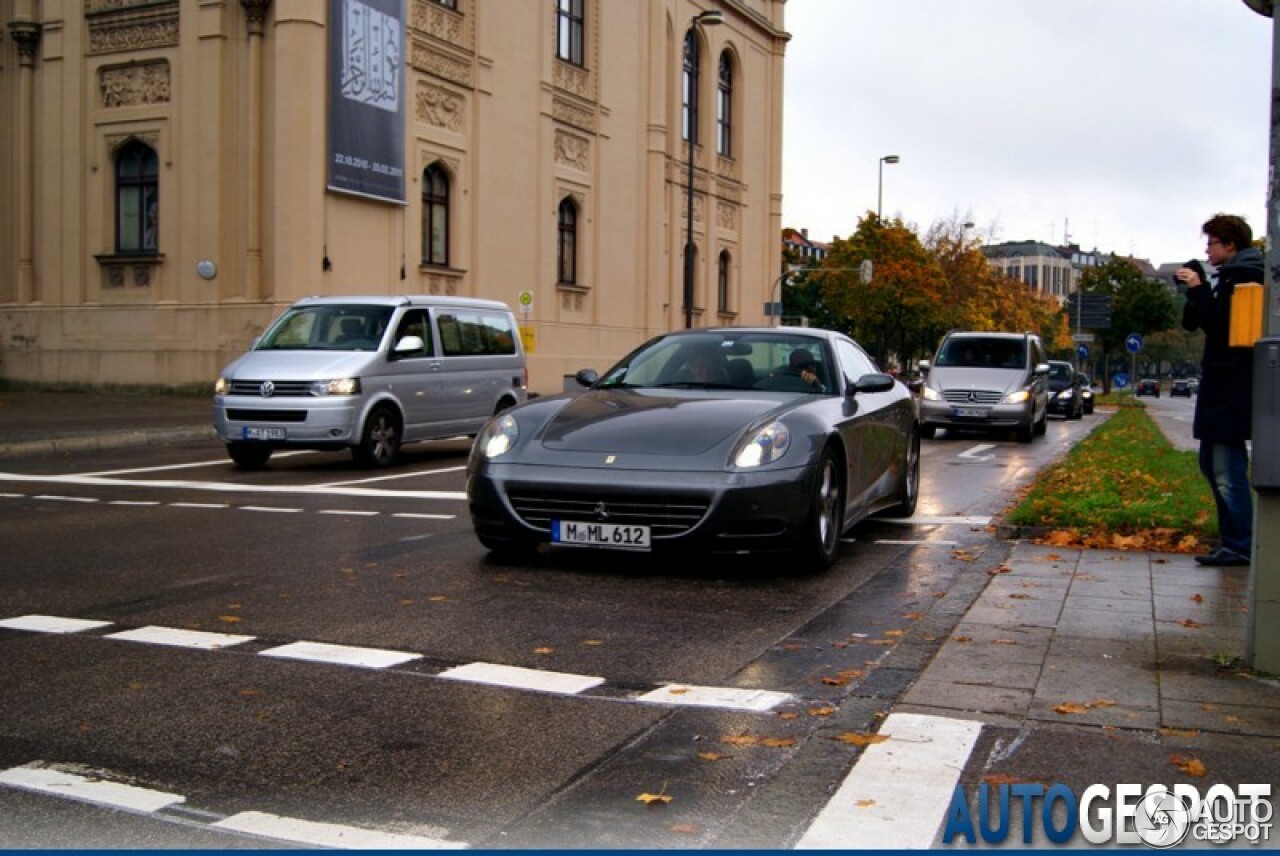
point(1224, 403)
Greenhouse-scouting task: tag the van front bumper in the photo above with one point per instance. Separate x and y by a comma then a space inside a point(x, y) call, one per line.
point(307, 422)
point(944, 414)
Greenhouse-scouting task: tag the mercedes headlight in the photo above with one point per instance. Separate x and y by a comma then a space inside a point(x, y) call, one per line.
point(1017, 397)
point(498, 437)
point(765, 446)
point(931, 394)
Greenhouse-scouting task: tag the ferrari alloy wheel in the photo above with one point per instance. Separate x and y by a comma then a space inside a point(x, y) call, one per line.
point(826, 514)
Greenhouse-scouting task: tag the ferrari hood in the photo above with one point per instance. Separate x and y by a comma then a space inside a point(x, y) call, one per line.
point(652, 422)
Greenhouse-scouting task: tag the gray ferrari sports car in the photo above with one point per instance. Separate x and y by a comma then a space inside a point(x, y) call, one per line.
point(727, 440)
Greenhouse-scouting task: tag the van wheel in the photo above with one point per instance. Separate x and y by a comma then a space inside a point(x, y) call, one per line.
point(928, 432)
point(1027, 432)
point(380, 442)
point(249, 456)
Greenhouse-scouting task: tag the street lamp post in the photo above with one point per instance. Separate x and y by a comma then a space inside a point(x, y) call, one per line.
point(880, 186)
point(710, 17)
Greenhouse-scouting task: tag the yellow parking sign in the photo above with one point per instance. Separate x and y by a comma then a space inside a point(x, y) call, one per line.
point(528, 338)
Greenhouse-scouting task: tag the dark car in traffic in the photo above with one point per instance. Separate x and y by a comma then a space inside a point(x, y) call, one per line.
point(724, 440)
point(1065, 399)
point(1181, 387)
point(1148, 386)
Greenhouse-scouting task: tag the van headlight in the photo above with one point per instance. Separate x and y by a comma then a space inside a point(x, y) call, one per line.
point(337, 386)
point(765, 446)
point(931, 394)
point(498, 437)
point(221, 386)
point(1017, 397)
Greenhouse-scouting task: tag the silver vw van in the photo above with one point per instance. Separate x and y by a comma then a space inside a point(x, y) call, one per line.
point(369, 374)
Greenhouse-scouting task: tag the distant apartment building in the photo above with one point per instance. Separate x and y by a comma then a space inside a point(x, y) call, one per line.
point(797, 248)
point(1048, 270)
point(174, 172)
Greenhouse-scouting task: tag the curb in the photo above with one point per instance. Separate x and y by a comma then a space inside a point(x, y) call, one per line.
point(105, 442)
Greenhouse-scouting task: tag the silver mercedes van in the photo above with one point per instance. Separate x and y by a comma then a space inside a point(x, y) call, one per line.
point(369, 374)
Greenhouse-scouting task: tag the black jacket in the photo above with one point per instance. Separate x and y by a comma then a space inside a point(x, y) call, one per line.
point(1224, 410)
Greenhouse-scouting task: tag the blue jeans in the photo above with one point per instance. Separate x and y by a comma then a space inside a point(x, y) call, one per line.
point(1226, 466)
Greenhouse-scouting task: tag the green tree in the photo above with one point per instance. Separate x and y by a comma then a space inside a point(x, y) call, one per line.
point(1138, 305)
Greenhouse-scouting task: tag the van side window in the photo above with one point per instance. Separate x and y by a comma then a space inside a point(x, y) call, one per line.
point(414, 323)
point(476, 334)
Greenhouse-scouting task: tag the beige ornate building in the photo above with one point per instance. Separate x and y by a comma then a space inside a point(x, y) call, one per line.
point(167, 171)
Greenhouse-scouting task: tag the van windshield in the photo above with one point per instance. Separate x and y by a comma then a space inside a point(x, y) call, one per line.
point(978, 352)
point(331, 327)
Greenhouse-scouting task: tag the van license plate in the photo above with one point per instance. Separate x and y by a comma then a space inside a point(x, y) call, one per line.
point(250, 433)
point(574, 533)
point(972, 412)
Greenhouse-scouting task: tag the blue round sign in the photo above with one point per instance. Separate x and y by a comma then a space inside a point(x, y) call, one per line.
point(1133, 342)
point(1082, 352)
point(1119, 380)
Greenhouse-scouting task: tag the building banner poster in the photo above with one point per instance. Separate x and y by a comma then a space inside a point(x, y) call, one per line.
point(366, 98)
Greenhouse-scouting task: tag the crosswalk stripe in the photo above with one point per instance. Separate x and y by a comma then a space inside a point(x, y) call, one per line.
point(84, 789)
point(328, 834)
point(200, 639)
point(897, 794)
point(518, 677)
point(343, 655)
point(51, 624)
point(720, 697)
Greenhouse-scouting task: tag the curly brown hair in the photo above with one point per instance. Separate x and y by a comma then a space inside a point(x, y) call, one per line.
point(1229, 229)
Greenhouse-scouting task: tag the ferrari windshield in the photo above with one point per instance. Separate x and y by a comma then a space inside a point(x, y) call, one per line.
point(727, 360)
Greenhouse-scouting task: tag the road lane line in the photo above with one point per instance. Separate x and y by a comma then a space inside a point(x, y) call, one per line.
point(334, 835)
point(85, 789)
point(202, 640)
point(342, 655)
point(348, 511)
point(517, 677)
point(56, 498)
point(897, 794)
point(222, 487)
point(271, 509)
point(394, 476)
point(730, 698)
point(199, 505)
point(52, 624)
point(143, 502)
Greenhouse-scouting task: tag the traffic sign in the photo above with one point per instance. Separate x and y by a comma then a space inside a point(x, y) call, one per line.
point(1133, 343)
point(1082, 352)
point(525, 301)
point(1119, 380)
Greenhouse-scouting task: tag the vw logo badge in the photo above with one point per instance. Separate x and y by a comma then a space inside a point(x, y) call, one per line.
point(267, 389)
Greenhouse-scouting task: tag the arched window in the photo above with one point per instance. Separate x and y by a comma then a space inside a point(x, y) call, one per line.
point(690, 95)
point(567, 254)
point(137, 199)
point(722, 281)
point(435, 216)
point(569, 31)
point(724, 106)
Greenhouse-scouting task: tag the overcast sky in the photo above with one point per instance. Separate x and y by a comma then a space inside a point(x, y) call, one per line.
point(1126, 122)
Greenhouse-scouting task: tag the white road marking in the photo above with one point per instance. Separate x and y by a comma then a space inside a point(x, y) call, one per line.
point(517, 677)
point(395, 476)
point(328, 834)
point(199, 505)
point(12, 495)
point(66, 498)
point(348, 511)
point(272, 509)
point(917, 543)
point(134, 502)
point(52, 624)
point(425, 516)
point(199, 639)
point(303, 490)
point(896, 796)
point(976, 453)
point(721, 697)
point(217, 462)
point(342, 655)
point(85, 789)
point(921, 520)
point(96, 789)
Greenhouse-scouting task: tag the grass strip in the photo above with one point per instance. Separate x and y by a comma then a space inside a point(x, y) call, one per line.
point(1122, 486)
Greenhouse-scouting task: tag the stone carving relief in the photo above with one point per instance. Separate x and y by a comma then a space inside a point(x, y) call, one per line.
point(134, 85)
point(436, 21)
point(573, 114)
point(726, 215)
point(425, 58)
point(572, 151)
point(129, 25)
point(437, 106)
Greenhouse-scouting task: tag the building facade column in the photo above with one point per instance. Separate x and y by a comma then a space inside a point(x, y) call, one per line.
point(255, 17)
point(25, 32)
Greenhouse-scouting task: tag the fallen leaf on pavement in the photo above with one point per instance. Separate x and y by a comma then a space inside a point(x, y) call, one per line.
point(713, 756)
point(861, 738)
point(654, 799)
point(1190, 766)
point(229, 619)
point(822, 711)
point(1187, 622)
point(864, 803)
point(685, 829)
point(1197, 598)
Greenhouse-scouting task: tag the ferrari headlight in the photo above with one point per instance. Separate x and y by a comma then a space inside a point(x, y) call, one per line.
point(764, 446)
point(498, 437)
point(931, 394)
point(1017, 397)
point(337, 386)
